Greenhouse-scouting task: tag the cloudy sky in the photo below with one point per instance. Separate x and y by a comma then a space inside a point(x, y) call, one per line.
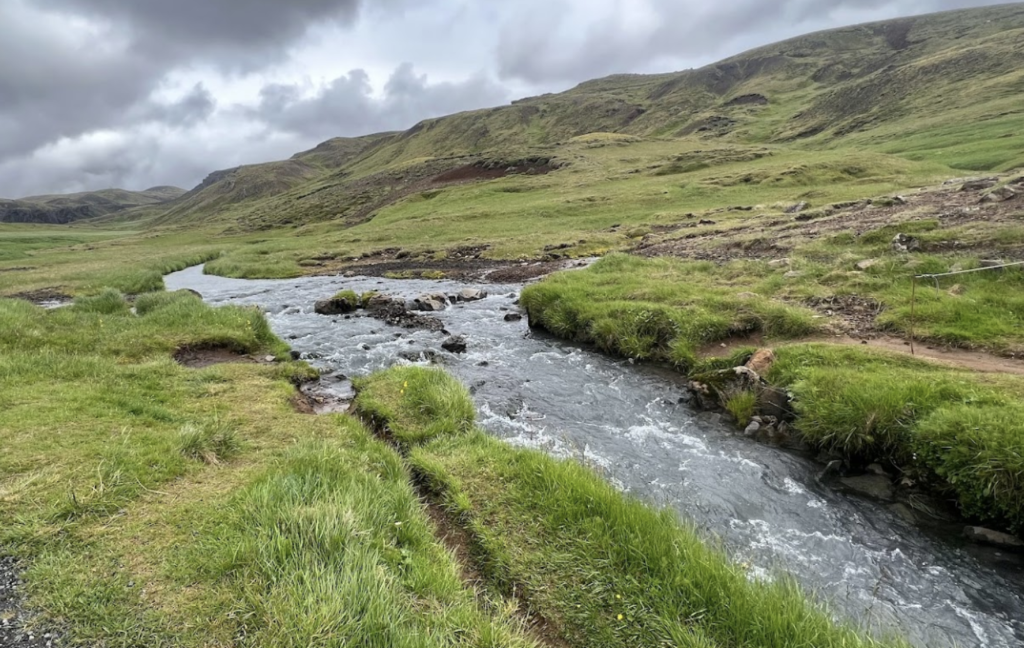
point(136, 93)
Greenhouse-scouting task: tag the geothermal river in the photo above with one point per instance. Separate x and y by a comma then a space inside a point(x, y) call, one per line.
point(864, 561)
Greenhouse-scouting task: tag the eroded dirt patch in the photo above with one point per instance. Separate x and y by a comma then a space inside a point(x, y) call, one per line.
point(200, 358)
point(44, 296)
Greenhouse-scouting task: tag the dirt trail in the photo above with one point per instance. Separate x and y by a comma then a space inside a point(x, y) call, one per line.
point(979, 361)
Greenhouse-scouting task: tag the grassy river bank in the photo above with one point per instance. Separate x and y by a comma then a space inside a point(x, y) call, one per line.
point(155, 504)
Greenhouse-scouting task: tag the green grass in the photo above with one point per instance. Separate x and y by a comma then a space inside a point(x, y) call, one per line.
point(161, 505)
point(659, 309)
point(864, 406)
point(604, 568)
point(957, 430)
point(416, 405)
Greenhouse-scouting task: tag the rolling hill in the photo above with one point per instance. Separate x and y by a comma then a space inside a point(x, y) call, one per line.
point(67, 208)
point(939, 88)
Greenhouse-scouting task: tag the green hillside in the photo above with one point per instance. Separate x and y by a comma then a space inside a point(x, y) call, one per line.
point(918, 88)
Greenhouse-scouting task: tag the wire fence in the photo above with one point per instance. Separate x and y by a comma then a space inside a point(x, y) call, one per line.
point(935, 277)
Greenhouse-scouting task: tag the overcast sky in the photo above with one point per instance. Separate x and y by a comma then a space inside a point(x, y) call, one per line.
point(137, 93)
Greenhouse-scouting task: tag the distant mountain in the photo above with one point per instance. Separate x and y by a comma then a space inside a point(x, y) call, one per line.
point(66, 208)
point(949, 83)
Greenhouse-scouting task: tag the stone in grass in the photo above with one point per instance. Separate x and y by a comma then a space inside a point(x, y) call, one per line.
point(867, 264)
point(905, 243)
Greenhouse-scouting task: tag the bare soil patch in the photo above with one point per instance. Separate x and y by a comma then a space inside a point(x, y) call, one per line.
point(207, 357)
point(43, 296)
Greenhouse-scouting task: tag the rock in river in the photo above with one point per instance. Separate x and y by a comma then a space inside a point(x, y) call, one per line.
point(434, 302)
point(873, 486)
point(336, 306)
point(513, 317)
point(454, 344)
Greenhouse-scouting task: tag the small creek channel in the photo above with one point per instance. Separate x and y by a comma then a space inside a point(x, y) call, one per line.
point(626, 420)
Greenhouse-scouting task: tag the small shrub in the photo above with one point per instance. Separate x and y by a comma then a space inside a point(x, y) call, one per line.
point(150, 302)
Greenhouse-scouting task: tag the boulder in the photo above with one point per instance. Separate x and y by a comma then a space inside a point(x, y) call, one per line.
point(905, 243)
point(876, 487)
point(470, 295)
point(513, 317)
point(336, 306)
point(780, 263)
point(433, 302)
point(998, 195)
point(761, 361)
point(994, 538)
point(454, 344)
point(867, 264)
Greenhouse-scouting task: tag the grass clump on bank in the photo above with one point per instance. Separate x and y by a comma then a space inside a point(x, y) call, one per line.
point(962, 432)
point(602, 568)
point(657, 309)
point(416, 405)
point(862, 405)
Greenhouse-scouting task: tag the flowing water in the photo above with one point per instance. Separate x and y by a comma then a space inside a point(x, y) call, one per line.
point(627, 420)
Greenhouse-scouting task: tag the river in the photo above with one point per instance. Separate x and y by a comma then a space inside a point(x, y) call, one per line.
point(627, 421)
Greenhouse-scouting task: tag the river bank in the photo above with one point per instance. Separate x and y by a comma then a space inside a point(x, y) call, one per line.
point(625, 420)
point(939, 427)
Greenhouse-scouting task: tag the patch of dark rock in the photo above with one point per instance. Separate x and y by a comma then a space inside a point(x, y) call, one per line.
point(455, 344)
point(749, 100)
point(426, 355)
point(16, 629)
point(514, 317)
point(202, 357)
point(395, 313)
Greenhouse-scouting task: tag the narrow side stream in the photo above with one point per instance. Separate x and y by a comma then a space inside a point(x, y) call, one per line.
point(626, 420)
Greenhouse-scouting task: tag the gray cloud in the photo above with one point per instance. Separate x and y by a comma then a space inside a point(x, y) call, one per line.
point(226, 28)
point(546, 46)
point(348, 107)
point(143, 92)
